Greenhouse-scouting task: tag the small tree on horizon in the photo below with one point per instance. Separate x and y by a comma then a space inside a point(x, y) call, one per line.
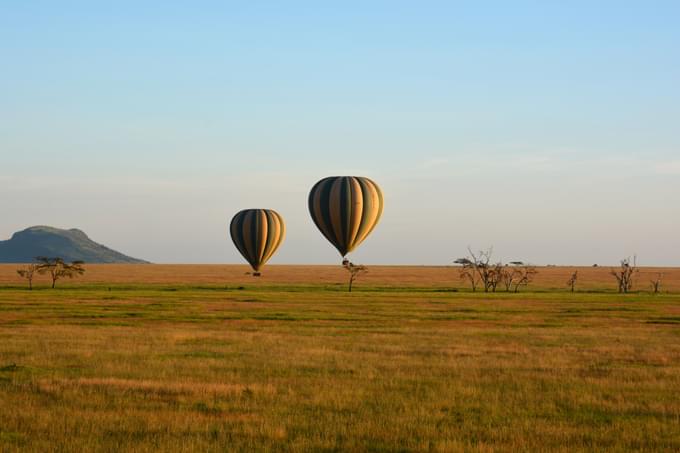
point(656, 283)
point(57, 268)
point(354, 271)
point(479, 268)
point(511, 274)
point(571, 283)
point(28, 272)
point(468, 272)
point(496, 274)
point(625, 274)
point(526, 276)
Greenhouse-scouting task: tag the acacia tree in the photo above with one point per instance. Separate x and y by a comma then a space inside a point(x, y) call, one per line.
point(571, 283)
point(526, 276)
point(354, 271)
point(57, 268)
point(656, 283)
point(28, 272)
point(496, 274)
point(477, 269)
point(468, 272)
point(625, 274)
point(511, 274)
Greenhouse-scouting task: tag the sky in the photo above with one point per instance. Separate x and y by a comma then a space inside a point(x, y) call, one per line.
point(548, 130)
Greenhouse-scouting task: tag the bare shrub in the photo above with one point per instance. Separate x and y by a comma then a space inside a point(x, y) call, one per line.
point(527, 272)
point(625, 274)
point(28, 272)
point(656, 283)
point(479, 269)
point(571, 283)
point(476, 268)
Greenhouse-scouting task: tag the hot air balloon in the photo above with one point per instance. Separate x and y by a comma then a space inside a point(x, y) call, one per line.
point(346, 209)
point(257, 233)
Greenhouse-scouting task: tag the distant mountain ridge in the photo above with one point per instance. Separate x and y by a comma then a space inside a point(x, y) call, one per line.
point(70, 245)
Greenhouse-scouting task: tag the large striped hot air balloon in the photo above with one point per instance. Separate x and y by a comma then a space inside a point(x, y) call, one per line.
point(257, 233)
point(346, 209)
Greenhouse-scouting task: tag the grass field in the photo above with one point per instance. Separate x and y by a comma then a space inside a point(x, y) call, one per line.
point(204, 358)
point(548, 278)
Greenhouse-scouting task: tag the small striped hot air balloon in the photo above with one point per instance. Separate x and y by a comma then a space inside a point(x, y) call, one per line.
point(257, 233)
point(346, 209)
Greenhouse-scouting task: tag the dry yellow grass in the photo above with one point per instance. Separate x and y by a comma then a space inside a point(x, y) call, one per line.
point(425, 276)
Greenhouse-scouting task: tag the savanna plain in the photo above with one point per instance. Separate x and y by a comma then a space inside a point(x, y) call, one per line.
point(206, 358)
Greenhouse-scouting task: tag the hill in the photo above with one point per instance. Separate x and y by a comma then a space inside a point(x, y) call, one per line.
point(71, 245)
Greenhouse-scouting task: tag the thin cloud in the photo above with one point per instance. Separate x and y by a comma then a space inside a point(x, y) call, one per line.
point(668, 168)
point(433, 163)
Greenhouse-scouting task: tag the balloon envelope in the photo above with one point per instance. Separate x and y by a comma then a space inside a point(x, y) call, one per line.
point(346, 209)
point(257, 233)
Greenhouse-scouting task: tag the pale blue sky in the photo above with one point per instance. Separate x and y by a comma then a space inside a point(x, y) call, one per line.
point(547, 129)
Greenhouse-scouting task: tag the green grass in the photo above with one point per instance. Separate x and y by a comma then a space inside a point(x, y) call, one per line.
point(313, 368)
